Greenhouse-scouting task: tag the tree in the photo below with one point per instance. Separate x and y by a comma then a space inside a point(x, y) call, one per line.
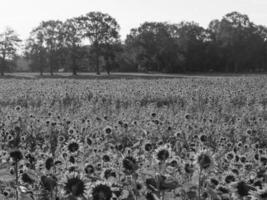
point(72, 38)
point(232, 37)
point(9, 42)
point(35, 51)
point(154, 47)
point(192, 40)
point(109, 53)
point(52, 36)
point(100, 29)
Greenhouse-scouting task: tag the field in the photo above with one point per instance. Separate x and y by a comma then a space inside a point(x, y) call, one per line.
point(133, 138)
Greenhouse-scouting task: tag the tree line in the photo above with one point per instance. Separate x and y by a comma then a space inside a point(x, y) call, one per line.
point(92, 42)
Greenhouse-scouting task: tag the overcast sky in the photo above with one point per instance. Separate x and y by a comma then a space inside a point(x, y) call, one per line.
point(23, 15)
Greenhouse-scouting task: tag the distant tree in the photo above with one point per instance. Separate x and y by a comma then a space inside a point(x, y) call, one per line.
point(109, 53)
point(261, 32)
point(100, 29)
point(154, 47)
point(72, 38)
point(52, 36)
point(233, 35)
point(9, 42)
point(35, 51)
point(192, 40)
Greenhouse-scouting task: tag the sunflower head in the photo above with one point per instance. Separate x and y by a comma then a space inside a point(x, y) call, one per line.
point(25, 178)
point(163, 153)
point(241, 189)
point(204, 159)
point(16, 155)
point(89, 169)
point(129, 164)
point(260, 194)
point(75, 186)
point(101, 191)
point(73, 146)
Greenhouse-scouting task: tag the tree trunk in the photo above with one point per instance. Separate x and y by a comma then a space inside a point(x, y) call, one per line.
point(3, 65)
point(2, 68)
point(74, 68)
point(74, 65)
point(97, 64)
point(51, 69)
point(108, 66)
point(96, 48)
point(51, 62)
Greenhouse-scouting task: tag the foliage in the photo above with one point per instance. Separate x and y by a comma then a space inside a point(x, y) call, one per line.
point(9, 42)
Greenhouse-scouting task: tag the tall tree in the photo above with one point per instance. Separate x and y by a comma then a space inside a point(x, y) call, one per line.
point(72, 38)
point(191, 42)
point(154, 47)
point(99, 28)
point(232, 36)
point(51, 32)
point(109, 53)
point(35, 51)
point(9, 42)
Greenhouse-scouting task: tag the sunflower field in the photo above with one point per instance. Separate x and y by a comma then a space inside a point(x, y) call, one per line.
point(165, 139)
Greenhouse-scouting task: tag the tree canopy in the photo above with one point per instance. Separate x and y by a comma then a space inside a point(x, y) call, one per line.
point(91, 42)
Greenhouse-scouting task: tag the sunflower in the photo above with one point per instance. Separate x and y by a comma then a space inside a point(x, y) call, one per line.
point(117, 190)
point(18, 108)
point(129, 164)
point(88, 141)
point(163, 153)
point(108, 130)
point(229, 177)
point(61, 139)
point(241, 189)
point(204, 159)
point(73, 146)
point(203, 138)
point(101, 191)
point(147, 147)
point(7, 192)
point(260, 194)
point(16, 155)
point(72, 131)
point(89, 169)
point(108, 173)
point(189, 168)
point(230, 156)
point(49, 163)
point(25, 178)
point(75, 186)
point(106, 158)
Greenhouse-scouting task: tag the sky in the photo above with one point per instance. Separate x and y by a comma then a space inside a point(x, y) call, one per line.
point(24, 15)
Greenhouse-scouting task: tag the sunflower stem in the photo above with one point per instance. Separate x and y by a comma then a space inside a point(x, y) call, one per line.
point(163, 195)
point(17, 179)
point(199, 184)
